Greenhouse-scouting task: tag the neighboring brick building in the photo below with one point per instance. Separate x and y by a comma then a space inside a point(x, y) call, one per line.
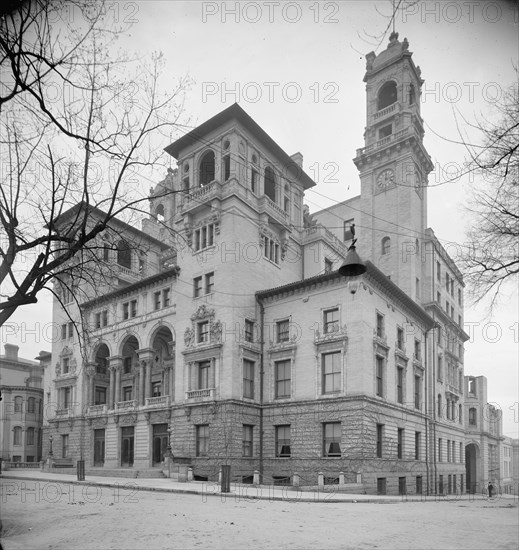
point(21, 408)
point(226, 327)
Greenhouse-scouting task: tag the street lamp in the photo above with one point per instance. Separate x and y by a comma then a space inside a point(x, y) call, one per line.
point(353, 266)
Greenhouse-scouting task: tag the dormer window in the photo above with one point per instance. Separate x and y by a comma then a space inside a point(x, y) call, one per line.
point(387, 95)
point(207, 168)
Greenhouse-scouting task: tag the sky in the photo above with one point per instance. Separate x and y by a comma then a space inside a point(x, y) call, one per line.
point(297, 68)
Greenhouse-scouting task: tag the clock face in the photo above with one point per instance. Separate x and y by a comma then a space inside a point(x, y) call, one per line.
point(385, 178)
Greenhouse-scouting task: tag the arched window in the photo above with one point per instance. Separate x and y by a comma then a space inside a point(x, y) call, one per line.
point(387, 95)
point(386, 246)
point(270, 183)
point(439, 406)
point(207, 170)
point(30, 436)
point(412, 94)
point(124, 254)
point(472, 416)
point(18, 402)
point(17, 435)
point(31, 405)
point(159, 213)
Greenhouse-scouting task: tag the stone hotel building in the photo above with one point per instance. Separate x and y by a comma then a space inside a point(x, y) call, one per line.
point(224, 327)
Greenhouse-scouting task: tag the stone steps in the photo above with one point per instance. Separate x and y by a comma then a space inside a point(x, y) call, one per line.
point(147, 473)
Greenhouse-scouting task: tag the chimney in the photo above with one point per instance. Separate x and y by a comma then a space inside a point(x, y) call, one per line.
point(298, 159)
point(11, 351)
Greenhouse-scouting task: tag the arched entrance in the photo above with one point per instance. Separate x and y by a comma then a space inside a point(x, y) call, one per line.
point(472, 467)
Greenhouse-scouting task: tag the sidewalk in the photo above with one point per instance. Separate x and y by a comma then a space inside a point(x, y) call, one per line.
point(328, 493)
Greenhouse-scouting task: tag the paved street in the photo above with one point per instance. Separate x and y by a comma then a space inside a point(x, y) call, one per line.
point(59, 515)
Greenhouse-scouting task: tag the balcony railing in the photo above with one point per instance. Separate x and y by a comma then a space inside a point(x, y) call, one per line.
point(125, 405)
point(128, 274)
point(384, 141)
point(194, 394)
point(386, 111)
point(159, 401)
point(322, 232)
point(61, 413)
point(96, 409)
point(268, 205)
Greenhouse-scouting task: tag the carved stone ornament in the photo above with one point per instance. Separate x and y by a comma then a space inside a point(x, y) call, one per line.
point(216, 331)
point(202, 312)
point(73, 365)
point(189, 337)
point(284, 248)
point(58, 369)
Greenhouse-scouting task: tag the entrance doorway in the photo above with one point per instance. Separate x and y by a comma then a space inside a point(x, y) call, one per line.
point(99, 447)
point(127, 443)
point(160, 442)
point(471, 467)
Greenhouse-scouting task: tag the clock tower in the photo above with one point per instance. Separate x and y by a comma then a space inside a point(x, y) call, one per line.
point(393, 167)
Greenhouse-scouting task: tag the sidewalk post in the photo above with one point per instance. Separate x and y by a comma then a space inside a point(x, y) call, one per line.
point(226, 478)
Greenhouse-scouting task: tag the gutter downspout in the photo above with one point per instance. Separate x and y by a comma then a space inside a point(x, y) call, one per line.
point(262, 377)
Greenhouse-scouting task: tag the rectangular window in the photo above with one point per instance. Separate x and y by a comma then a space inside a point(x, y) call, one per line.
point(400, 443)
point(332, 439)
point(31, 405)
point(385, 131)
point(448, 450)
point(459, 296)
point(209, 282)
point(331, 320)
point(249, 330)
point(417, 385)
point(331, 372)
point(17, 435)
point(197, 287)
point(283, 378)
point(204, 237)
point(156, 389)
point(64, 446)
point(380, 376)
point(202, 440)
point(98, 320)
point(438, 271)
point(66, 365)
point(204, 371)
point(166, 297)
point(417, 443)
point(439, 297)
point(380, 439)
point(126, 310)
point(283, 449)
point(247, 440)
point(380, 325)
point(440, 368)
point(248, 379)
point(127, 365)
point(71, 330)
point(271, 250)
point(104, 318)
point(133, 308)
point(440, 450)
point(203, 332)
point(282, 331)
point(64, 331)
point(328, 265)
point(400, 385)
point(66, 394)
point(417, 350)
point(417, 290)
point(100, 396)
point(156, 300)
point(400, 338)
point(127, 393)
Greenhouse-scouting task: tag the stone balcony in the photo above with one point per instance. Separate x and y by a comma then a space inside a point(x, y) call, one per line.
point(269, 207)
point(159, 401)
point(319, 232)
point(63, 413)
point(405, 133)
point(96, 410)
point(383, 113)
point(199, 394)
point(126, 405)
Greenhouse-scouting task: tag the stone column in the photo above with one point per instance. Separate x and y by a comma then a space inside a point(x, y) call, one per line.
point(91, 372)
point(111, 389)
point(117, 393)
point(149, 367)
point(142, 366)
